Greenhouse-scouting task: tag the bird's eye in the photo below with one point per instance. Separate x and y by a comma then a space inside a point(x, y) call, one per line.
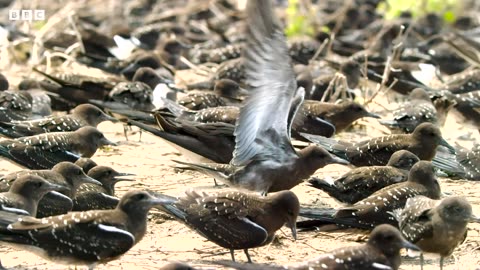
point(38, 184)
point(79, 172)
point(141, 197)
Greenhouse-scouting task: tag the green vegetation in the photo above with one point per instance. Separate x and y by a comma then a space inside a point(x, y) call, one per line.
point(298, 23)
point(447, 8)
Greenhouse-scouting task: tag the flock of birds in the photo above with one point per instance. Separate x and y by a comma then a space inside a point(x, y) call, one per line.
point(237, 126)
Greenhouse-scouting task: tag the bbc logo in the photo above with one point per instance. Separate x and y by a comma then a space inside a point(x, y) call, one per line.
point(26, 15)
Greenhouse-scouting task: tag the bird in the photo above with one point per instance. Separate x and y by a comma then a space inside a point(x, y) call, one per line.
point(128, 95)
point(86, 164)
point(341, 115)
point(199, 142)
point(422, 142)
point(4, 84)
point(470, 162)
point(376, 209)
point(264, 159)
point(361, 182)
point(85, 238)
point(45, 150)
point(225, 92)
point(435, 226)
point(235, 219)
point(15, 105)
point(381, 251)
point(82, 115)
point(92, 196)
point(418, 109)
point(24, 195)
point(65, 174)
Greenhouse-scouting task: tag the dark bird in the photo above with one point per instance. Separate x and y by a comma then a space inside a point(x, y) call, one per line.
point(226, 92)
point(359, 183)
point(377, 208)
point(69, 90)
point(418, 109)
point(382, 251)
point(152, 77)
point(65, 174)
point(470, 162)
point(15, 106)
point(422, 142)
point(82, 115)
point(436, 226)
point(85, 238)
point(97, 197)
point(264, 159)
point(46, 150)
point(224, 114)
point(233, 219)
point(86, 164)
point(4, 85)
point(128, 95)
point(199, 142)
point(24, 195)
point(341, 115)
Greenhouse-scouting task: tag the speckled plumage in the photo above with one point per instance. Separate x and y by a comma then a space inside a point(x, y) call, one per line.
point(15, 106)
point(98, 197)
point(340, 115)
point(376, 208)
point(422, 142)
point(65, 174)
point(82, 115)
point(45, 150)
point(436, 226)
point(382, 251)
point(85, 238)
point(24, 195)
point(234, 219)
point(418, 109)
point(470, 162)
point(359, 183)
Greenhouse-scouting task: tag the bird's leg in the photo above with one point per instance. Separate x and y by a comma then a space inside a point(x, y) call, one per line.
point(441, 262)
point(421, 261)
point(233, 255)
point(140, 135)
point(248, 255)
point(125, 127)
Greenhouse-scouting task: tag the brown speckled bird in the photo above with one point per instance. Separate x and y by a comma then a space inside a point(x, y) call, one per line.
point(85, 238)
point(340, 115)
point(436, 226)
point(418, 109)
point(82, 115)
point(233, 219)
point(45, 150)
point(24, 195)
point(377, 208)
point(359, 183)
point(65, 174)
point(382, 251)
point(97, 197)
point(423, 142)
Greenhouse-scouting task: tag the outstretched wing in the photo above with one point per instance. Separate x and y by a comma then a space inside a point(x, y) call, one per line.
point(263, 124)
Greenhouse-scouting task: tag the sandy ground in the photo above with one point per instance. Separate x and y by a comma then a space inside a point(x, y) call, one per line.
point(168, 240)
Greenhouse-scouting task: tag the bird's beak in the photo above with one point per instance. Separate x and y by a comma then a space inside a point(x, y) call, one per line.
point(118, 177)
point(443, 142)
point(293, 226)
point(409, 245)
point(90, 180)
point(105, 141)
point(474, 218)
point(54, 187)
point(373, 115)
point(110, 118)
point(337, 160)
